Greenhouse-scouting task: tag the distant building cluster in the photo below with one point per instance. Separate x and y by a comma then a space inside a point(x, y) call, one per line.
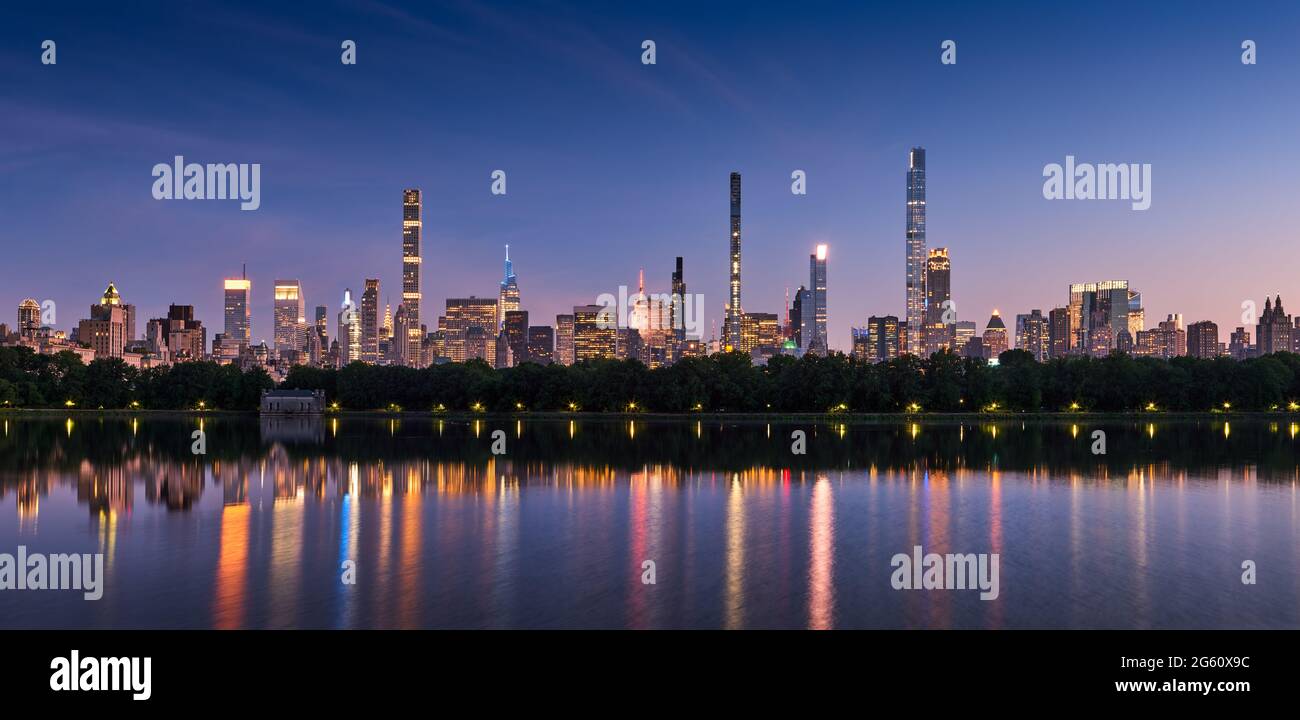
point(1097, 319)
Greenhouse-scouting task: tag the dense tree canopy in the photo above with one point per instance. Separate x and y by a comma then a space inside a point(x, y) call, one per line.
point(725, 382)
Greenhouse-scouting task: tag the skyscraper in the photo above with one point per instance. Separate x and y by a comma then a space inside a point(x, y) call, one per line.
point(803, 316)
point(541, 344)
point(732, 329)
point(676, 320)
point(370, 321)
point(1033, 335)
point(1058, 331)
point(564, 354)
point(1099, 313)
point(817, 282)
point(1203, 339)
point(516, 332)
point(915, 250)
point(595, 333)
point(995, 335)
point(349, 330)
point(289, 316)
point(29, 318)
point(412, 224)
point(112, 297)
point(882, 338)
point(322, 325)
point(937, 334)
point(239, 324)
point(508, 299)
point(1273, 331)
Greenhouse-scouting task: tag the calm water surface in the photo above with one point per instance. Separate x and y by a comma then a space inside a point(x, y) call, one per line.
point(742, 533)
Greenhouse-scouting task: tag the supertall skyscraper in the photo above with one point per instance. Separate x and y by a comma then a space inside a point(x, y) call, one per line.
point(290, 316)
point(239, 324)
point(508, 300)
point(412, 223)
point(817, 283)
point(915, 249)
point(732, 329)
point(676, 321)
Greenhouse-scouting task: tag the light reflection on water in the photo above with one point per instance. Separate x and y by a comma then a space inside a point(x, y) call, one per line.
point(555, 533)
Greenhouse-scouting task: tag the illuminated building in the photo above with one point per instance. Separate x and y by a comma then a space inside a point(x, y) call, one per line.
point(564, 351)
point(884, 342)
point(732, 327)
point(1203, 339)
point(409, 352)
point(508, 299)
point(370, 321)
point(916, 256)
point(995, 336)
point(238, 312)
point(937, 334)
point(595, 333)
point(290, 316)
point(1033, 335)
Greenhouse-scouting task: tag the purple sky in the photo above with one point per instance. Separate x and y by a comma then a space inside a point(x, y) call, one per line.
point(615, 166)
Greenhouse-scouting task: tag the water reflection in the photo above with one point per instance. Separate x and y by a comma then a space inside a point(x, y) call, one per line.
point(436, 531)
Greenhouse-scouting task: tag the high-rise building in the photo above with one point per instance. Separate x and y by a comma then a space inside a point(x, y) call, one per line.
point(883, 339)
point(289, 316)
point(1167, 340)
point(861, 344)
point(238, 312)
point(803, 316)
point(916, 255)
point(409, 348)
point(111, 297)
point(732, 328)
point(1058, 321)
point(1136, 315)
point(1033, 335)
point(676, 319)
point(1203, 339)
point(937, 334)
point(349, 330)
point(463, 315)
point(595, 333)
point(516, 330)
point(817, 283)
point(995, 336)
point(105, 330)
point(962, 332)
point(183, 337)
point(508, 299)
point(29, 319)
point(322, 325)
point(541, 344)
point(1098, 313)
point(564, 352)
point(1239, 346)
point(370, 321)
point(1273, 331)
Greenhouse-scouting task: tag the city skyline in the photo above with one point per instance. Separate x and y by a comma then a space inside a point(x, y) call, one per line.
point(635, 186)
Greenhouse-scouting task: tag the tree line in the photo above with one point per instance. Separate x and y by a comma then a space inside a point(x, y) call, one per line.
point(724, 382)
point(32, 380)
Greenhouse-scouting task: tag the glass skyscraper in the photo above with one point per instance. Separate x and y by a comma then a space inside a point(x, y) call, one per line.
point(239, 325)
point(915, 249)
point(733, 329)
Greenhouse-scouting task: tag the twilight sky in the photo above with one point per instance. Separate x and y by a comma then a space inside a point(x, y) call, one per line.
point(615, 166)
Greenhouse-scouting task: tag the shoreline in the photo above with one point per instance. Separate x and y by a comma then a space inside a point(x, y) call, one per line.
point(549, 415)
